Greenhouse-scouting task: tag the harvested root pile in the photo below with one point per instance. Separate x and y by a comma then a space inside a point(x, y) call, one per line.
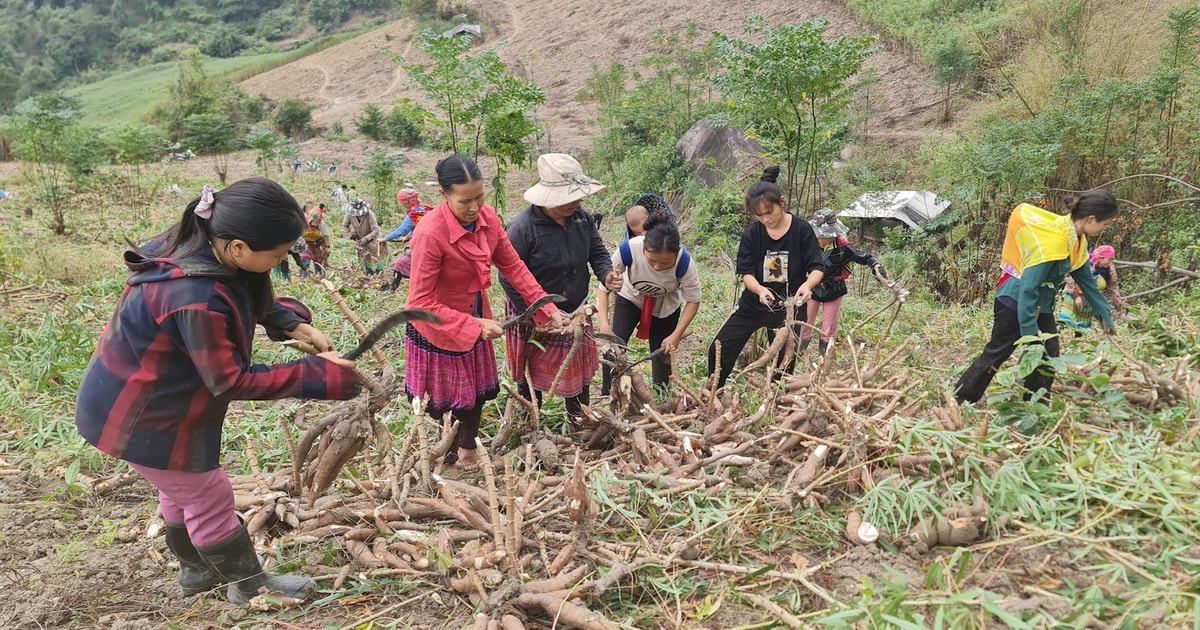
point(1154, 387)
point(521, 543)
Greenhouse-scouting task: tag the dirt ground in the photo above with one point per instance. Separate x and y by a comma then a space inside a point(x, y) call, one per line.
point(74, 560)
point(556, 45)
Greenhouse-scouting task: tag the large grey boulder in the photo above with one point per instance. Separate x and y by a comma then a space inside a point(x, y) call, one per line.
point(714, 152)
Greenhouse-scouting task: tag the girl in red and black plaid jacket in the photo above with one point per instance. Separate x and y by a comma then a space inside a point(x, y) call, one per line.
point(178, 350)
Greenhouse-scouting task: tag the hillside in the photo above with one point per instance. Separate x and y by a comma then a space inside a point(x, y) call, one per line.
point(556, 46)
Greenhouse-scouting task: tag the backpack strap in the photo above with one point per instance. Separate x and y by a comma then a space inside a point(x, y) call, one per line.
point(626, 254)
point(685, 260)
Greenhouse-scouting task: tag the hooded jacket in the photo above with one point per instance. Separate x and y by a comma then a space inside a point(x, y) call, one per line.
point(176, 353)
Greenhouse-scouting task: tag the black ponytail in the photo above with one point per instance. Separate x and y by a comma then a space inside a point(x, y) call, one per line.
point(1093, 203)
point(257, 211)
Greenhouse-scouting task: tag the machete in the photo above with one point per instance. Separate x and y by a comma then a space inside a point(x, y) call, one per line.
point(552, 298)
point(390, 322)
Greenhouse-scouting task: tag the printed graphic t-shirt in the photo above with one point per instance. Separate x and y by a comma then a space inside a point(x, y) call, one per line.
point(641, 280)
point(782, 264)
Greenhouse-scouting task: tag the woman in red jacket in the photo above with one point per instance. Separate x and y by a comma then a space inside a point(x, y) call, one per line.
point(453, 363)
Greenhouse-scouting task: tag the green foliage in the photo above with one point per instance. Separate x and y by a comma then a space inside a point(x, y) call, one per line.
point(56, 44)
point(326, 15)
point(55, 151)
point(371, 122)
point(792, 89)
point(192, 93)
point(222, 41)
point(382, 171)
point(405, 124)
point(214, 135)
point(337, 133)
point(485, 109)
point(266, 145)
point(277, 24)
point(293, 118)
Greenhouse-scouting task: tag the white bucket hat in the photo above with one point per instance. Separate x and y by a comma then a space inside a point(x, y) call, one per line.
point(560, 181)
point(825, 224)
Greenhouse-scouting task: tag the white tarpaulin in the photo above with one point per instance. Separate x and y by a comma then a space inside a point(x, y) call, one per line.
point(915, 208)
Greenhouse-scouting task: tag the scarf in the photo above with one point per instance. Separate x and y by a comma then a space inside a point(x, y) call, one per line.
point(1036, 236)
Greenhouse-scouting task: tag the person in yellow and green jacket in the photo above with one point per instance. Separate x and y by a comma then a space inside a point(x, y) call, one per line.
point(1040, 249)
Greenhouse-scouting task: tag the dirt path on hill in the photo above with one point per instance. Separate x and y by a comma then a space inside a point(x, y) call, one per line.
point(557, 45)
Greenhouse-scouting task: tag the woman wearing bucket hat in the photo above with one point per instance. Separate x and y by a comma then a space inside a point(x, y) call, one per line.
point(452, 365)
point(778, 258)
point(836, 255)
point(363, 228)
point(560, 244)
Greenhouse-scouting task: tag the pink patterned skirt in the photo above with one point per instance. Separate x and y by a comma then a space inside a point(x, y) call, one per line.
point(451, 380)
point(544, 362)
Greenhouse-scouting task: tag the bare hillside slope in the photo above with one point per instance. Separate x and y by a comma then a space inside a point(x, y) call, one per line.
point(556, 44)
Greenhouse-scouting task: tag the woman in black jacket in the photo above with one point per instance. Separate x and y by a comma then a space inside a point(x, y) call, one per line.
point(837, 254)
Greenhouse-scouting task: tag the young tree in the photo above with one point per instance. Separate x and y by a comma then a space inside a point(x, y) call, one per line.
point(383, 172)
point(485, 109)
point(191, 94)
point(48, 142)
point(266, 147)
point(371, 122)
point(293, 118)
point(131, 145)
point(214, 135)
point(953, 63)
point(793, 89)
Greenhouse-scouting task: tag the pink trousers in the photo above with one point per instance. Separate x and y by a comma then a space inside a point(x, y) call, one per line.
point(829, 321)
point(203, 502)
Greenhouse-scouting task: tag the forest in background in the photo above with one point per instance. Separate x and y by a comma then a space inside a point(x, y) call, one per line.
point(59, 43)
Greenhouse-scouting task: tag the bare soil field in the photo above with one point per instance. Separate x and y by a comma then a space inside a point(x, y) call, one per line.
point(556, 45)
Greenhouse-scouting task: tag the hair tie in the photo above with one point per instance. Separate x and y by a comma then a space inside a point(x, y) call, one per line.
point(204, 209)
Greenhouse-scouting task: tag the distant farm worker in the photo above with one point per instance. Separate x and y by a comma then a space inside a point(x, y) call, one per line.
point(339, 197)
point(836, 256)
point(318, 242)
point(453, 364)
point(1040, 249)
point(363, 229)
point(1076, 311)
point(178, 351)
point(779, 258)
point(410, 202)
point(558, 241)
point(659, 295)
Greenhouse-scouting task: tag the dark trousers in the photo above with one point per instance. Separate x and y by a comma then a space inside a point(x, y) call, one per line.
point(468, 427)
point(574, 404)
point(737, 330)
point(626, 316)
point(1006, 330)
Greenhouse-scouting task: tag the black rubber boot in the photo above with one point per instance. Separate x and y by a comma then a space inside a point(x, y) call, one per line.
point(235, 561)
point(195, 576)
point(822, 347)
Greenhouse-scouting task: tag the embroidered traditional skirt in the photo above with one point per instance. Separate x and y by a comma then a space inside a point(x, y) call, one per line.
point(544, 362)
point(374, 257)
point(1077, 317)
point(451, 380)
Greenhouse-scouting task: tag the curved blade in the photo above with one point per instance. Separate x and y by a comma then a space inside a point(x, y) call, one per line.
point(552, 298)
point(388, 323)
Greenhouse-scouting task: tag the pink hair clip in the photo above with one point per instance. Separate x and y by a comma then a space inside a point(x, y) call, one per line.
point(204, 209)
